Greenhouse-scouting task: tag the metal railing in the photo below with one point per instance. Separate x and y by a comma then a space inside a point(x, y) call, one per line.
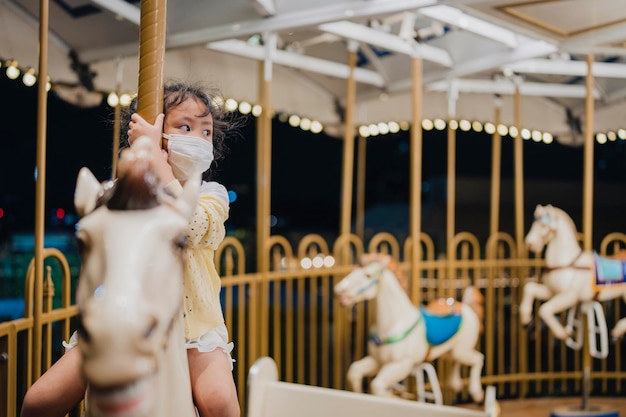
point(290, 314)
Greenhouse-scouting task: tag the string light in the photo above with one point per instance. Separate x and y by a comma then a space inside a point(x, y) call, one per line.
point(12, 70)
point(29, 78)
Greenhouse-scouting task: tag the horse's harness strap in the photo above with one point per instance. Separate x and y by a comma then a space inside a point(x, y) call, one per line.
point(397, 338)
point(570, 265)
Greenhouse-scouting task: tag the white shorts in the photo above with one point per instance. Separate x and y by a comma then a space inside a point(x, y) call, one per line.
point(208, 342)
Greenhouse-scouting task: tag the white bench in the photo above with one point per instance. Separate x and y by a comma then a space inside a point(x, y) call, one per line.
point(269, 397)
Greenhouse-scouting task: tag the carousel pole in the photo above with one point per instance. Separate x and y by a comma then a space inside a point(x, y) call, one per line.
point(348, 145)
point(340, 332)
point(360, 188)
point(588, 210)
point(518, 192)
point(496, 164)
point(415, 194)
point(116, 121)
point(151, 59)
point(451, 188)
point(264, 182)
point(40, 188)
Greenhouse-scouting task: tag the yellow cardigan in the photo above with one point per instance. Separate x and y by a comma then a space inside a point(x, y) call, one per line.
point(201, 304)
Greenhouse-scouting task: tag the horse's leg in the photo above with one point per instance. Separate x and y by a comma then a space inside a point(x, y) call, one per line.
point(532, 291)
point(474, 359)
point(620, 327)
point(390, 374)
point(548, 310)
point(358, 370)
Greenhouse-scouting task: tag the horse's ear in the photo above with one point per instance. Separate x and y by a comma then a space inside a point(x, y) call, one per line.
point(188, 200)
point(87, 190)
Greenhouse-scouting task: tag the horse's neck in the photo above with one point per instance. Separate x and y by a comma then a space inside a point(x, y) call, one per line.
point(175, 385)
point(392, 304)
point(563, 248)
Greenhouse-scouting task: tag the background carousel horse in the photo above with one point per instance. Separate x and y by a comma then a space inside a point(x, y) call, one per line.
point(405, 336)
point(571, 274)
point(130, 292)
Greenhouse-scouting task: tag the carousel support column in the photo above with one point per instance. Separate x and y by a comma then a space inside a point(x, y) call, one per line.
point(360, 188)
point(348, 146)
point(496, 164)
point(341, 331)
point(494, 222)
point(116, 120)
point(264, 184)
point(151, 59)
point(415, 194)
point(518, 181)
point(453, 94)
point(40, 190)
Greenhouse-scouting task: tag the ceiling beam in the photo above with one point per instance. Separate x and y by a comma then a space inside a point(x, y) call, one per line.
point(121, 8)
point(508, 88)
point(299, 61)
point(388, 41)
point(462, 20)
point(526, 50)
point(277, 23)
point(566, 67)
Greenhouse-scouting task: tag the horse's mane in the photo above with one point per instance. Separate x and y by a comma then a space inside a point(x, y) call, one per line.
point(392, 265)
point(568, 220)
point(136, 189)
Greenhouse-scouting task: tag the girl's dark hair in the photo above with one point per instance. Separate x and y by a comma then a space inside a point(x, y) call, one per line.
point(175, 93)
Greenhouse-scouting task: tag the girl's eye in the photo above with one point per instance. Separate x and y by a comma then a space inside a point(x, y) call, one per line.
point(207, 133)
point(186, 128)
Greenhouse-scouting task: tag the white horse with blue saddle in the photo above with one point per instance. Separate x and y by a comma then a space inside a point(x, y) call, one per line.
point(405, 336)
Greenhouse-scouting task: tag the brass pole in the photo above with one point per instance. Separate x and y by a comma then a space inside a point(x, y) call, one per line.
point(264, 182)
point(151, 59)
point(518, 180)
point(588, 158)
point(588, 211)
point(348, 147)
point(451, 189)
point(40, 200)
point(415, 192)
point(116, 121)
point(360, 188)
point(496, 164)
point(116, 139)
point(519, 176)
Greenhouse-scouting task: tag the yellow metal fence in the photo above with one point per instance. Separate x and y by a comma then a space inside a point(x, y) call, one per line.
point(289, 314)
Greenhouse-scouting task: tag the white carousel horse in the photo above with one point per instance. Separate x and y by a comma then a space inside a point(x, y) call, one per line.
point(130, 292)
point(405, 336)
point(571, 275)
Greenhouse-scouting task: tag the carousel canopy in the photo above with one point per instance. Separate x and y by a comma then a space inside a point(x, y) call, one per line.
point(475, 54)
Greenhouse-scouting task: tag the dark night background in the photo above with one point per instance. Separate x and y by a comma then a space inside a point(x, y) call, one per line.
point(306, 174)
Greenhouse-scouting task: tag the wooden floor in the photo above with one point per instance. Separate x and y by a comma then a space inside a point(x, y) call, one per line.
point(542, 407)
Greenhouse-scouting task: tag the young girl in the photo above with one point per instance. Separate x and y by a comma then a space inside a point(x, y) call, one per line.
point(192, 130)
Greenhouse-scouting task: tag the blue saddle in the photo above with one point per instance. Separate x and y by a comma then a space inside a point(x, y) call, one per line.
point(440, 328)
point(608, 271)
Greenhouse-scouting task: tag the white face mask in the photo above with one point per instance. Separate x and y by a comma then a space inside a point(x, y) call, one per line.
point(188, 155)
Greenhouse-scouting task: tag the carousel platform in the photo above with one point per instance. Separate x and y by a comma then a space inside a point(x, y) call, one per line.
point(559, 406)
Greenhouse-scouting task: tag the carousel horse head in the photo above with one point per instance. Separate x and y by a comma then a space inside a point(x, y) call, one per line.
point(129, 295)
point(363, 283)
point(549, 222)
